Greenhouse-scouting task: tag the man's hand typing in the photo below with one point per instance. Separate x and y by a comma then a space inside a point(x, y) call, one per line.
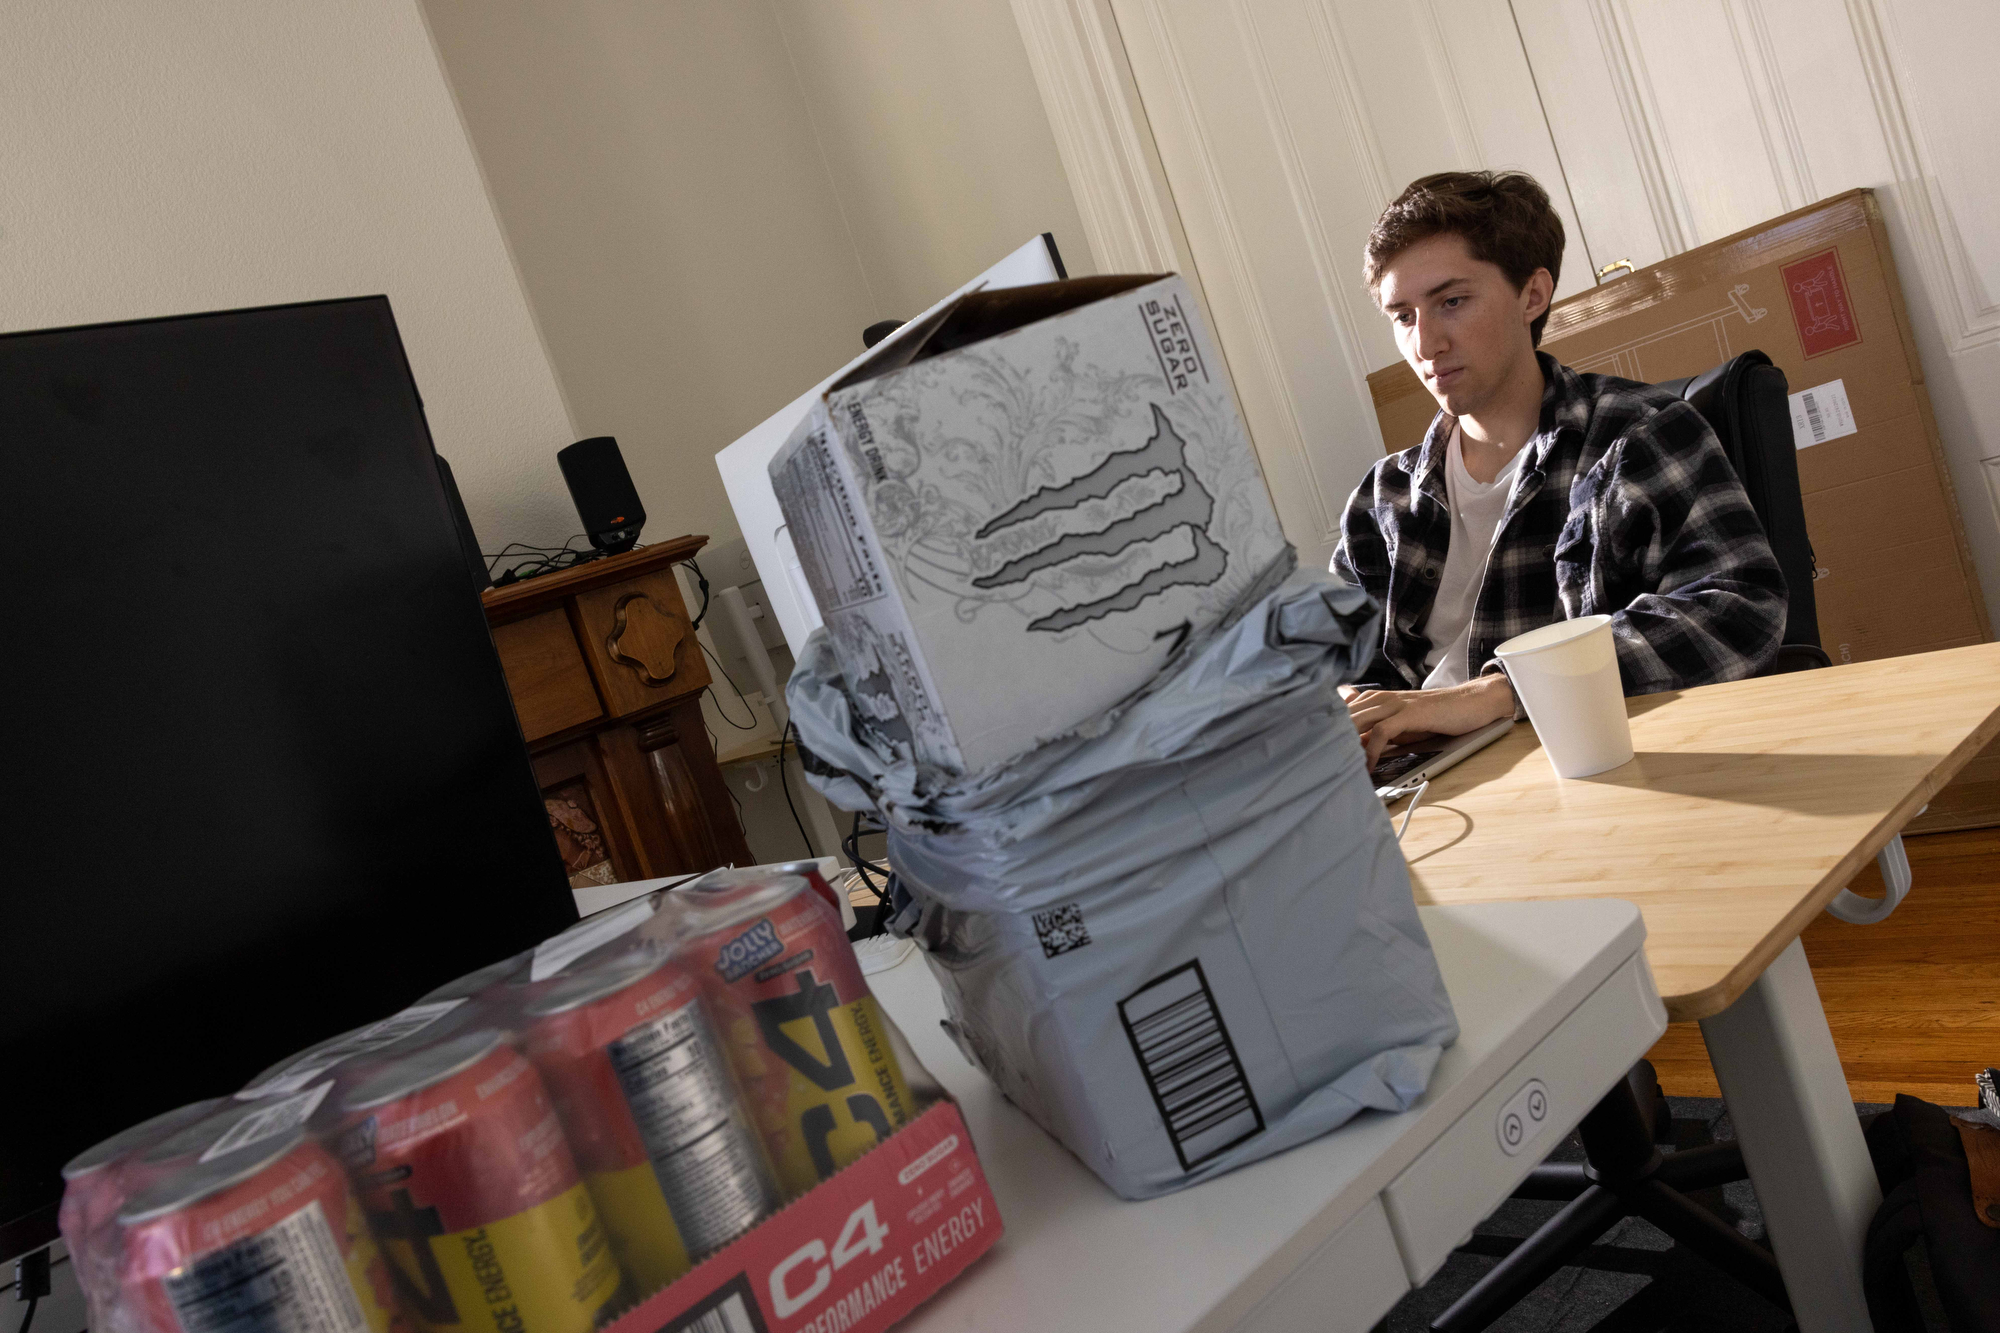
point(1385, 716)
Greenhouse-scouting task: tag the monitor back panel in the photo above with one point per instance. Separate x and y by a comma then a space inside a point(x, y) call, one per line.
point(260, 777)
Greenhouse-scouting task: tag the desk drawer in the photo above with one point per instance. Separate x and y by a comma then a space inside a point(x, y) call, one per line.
point(1349, 1283)
point(546, 675)
point(1434, 1204)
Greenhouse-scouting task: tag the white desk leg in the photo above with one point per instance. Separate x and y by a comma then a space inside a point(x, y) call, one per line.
point(1780, 1075)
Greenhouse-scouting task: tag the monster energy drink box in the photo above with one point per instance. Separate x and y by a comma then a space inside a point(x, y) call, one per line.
point(1014, 517)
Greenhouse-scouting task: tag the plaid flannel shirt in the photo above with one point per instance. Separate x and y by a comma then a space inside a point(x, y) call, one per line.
point(1624, 505)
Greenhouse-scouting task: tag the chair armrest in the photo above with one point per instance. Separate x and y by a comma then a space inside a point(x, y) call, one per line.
point(1797, 657)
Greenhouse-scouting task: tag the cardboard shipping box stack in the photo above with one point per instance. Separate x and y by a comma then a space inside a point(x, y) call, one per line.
point(1816, 291)
point(1012, 517)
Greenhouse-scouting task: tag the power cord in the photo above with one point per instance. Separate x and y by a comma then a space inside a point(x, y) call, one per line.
point(786, 784)
point(31, 1283)
point(538, 559)
point(53, 1263)
point(1416, 799)
point(740, 696)
point(702, 582)
point(851, 844)
point(867, 870)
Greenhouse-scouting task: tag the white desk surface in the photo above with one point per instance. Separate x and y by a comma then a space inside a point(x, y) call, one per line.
point(1075, 1256)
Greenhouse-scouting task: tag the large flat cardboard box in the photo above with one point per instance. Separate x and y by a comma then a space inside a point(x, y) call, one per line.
point(1816, 291)
point(1012, 519)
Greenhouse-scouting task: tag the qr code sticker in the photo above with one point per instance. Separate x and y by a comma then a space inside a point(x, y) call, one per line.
point(1061, 929)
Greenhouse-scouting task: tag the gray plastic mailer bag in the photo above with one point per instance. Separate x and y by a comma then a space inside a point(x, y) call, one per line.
point(1183, 938)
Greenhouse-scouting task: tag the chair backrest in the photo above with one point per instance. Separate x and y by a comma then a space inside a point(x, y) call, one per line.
point(1744, 400)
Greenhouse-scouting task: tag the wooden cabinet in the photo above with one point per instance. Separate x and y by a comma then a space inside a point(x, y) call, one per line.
point(607, 676)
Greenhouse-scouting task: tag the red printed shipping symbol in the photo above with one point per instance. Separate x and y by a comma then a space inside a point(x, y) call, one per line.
point(1820, 308)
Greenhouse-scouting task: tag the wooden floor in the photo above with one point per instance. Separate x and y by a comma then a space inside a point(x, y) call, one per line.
point(1914, 1001)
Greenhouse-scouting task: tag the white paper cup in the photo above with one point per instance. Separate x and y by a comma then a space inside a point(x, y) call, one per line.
point(1566, 676)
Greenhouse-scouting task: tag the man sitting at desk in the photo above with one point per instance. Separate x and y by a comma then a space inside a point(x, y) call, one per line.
point(1538, 494)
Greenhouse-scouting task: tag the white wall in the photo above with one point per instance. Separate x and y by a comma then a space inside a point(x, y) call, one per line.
point(209, 154)
point(935, 137)
point(710, 199)
point(1284, 127)
point(658, 176)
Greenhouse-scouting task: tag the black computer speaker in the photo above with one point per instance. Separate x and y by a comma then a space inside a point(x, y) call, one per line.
point(605, 498)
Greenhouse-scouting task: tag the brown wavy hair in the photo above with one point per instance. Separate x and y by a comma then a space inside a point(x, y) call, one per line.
point(1504, 216)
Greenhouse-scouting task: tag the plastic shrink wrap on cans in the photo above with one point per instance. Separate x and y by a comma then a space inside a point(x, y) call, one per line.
point(1182, 938)
point(533, 1148)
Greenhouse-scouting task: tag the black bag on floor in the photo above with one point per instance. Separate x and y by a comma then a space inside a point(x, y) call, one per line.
point(1927, 1196)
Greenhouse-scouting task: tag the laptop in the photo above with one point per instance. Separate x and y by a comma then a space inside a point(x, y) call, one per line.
point(1401, 772)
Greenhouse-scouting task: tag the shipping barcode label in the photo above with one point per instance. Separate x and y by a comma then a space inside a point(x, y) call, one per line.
point(288, 1278)
point(1821, 413)
point(384, 1032)
point(555, 954)
point(1190, 1065)
point(266, 1121)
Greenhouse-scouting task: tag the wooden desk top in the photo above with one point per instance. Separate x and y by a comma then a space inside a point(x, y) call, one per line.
point(1747, 807)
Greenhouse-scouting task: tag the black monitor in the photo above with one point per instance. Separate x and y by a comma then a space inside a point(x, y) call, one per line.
point(260, 777)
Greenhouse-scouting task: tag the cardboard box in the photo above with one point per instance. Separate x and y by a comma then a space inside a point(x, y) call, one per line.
point(1011, 520)
point(855, 1254)
point(1816, 291)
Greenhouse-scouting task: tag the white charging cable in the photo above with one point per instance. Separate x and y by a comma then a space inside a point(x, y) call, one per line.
point(1415, 798)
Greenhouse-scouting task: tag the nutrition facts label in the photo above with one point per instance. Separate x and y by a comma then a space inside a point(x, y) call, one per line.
point(704, 1153)
point(287, 1278)
point(825, 518)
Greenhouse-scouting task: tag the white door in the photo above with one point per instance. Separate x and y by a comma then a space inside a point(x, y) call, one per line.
point(1283, 126)
point(1700, 118)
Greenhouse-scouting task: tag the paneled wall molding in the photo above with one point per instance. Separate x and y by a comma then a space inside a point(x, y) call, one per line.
point(1967, 318)
point(1102, 136)
point(1335, 54)
point(1644, 126)
point(1458, 116)
point(1337, 284)
point(1106, 137)
point(1255, 362)
point(1750, 31)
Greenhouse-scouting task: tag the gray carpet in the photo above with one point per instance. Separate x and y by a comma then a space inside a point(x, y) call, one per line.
point(1634, 1279)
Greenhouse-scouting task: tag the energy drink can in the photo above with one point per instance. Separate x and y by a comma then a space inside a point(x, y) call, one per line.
point(811, 873)
point(267, 1239)
point(97, 1182)
point(354, 1055)
point(653, 1113)
point(806, 1037)
point(234, 1124)
point(470, 1187)
point(475, 983)
point(184, 1145)
point(314, 1059)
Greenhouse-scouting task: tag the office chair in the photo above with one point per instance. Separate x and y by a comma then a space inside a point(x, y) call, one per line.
point(1744, 402)
point(1626, 1175)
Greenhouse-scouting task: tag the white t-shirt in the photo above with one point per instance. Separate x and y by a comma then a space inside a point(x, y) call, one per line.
point(1475, 515)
